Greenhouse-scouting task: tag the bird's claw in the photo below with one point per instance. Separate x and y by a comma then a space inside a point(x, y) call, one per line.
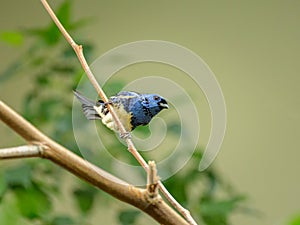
point(125, 135)
point(109, 102)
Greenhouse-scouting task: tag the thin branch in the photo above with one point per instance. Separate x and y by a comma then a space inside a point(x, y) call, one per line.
point(26, 151)
point(181, 209)
point(79, 52)
point(132, 149)
point(78, 49)
point(47, 148)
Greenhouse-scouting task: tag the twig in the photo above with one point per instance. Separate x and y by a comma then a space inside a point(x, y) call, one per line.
point(47, 148)
point(186, 213)
point(25, 151)
point(79, 52)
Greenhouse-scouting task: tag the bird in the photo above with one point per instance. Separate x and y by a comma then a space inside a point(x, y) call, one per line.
point(132, 108)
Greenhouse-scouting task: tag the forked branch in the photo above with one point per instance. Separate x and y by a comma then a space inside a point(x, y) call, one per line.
point(42, 146)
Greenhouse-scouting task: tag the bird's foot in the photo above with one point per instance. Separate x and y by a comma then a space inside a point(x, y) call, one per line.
point(109, 102)
point(125, 135)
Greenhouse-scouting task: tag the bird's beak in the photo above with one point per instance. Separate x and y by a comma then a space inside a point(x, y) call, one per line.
point(163, 104)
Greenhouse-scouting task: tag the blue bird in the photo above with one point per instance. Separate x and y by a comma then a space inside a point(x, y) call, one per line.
point(133, 109)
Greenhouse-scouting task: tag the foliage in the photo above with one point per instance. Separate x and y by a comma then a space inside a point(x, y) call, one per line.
point(295, 220)
point(128, 217)
point(28, 189)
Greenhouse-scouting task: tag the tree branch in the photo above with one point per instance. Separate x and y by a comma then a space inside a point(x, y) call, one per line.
point(152, 181)
point(25, 151)
point(47, 148)
point(131, 147)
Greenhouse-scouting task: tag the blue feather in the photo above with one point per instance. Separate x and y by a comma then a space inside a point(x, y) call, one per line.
point(134, 109)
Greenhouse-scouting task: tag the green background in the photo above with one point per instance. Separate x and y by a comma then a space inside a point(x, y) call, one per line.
point(252, 47)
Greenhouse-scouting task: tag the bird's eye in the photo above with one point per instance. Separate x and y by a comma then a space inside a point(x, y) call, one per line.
point(156, 98)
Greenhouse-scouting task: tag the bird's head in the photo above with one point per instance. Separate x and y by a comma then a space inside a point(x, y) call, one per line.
point(155, 103)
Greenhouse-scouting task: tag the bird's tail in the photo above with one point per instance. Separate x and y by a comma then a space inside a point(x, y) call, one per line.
point(88, 107)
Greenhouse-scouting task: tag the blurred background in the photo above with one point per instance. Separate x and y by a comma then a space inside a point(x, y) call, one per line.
point(253, 49)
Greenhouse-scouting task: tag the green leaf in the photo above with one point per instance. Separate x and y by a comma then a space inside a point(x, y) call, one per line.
point(52, 34)
point(68, 53)
point(177, 186)
point(43, 79)
point(47, 109)
point(32, 202)
point(27, 106)
point(12, 38)
point(11, 70)
point(62, 68)
point(81, 23)
point(48, 35)
point(63, 13)
point(128, 217)
point(62, 220)
point(222, 207)
point(85, 198)
point(18, 177)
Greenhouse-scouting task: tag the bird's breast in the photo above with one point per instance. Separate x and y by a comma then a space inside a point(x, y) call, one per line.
point(124, 116)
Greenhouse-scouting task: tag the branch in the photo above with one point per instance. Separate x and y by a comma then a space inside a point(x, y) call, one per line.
point(49, 149)
point(25, 151)
point(152, 180)
point(132, 149)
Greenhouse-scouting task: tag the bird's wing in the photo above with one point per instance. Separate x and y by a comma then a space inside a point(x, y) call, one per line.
point(126, 99)
point(88, 107)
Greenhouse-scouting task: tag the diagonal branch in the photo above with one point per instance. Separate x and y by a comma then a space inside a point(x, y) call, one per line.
point(131, 147)
point(45, 147)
